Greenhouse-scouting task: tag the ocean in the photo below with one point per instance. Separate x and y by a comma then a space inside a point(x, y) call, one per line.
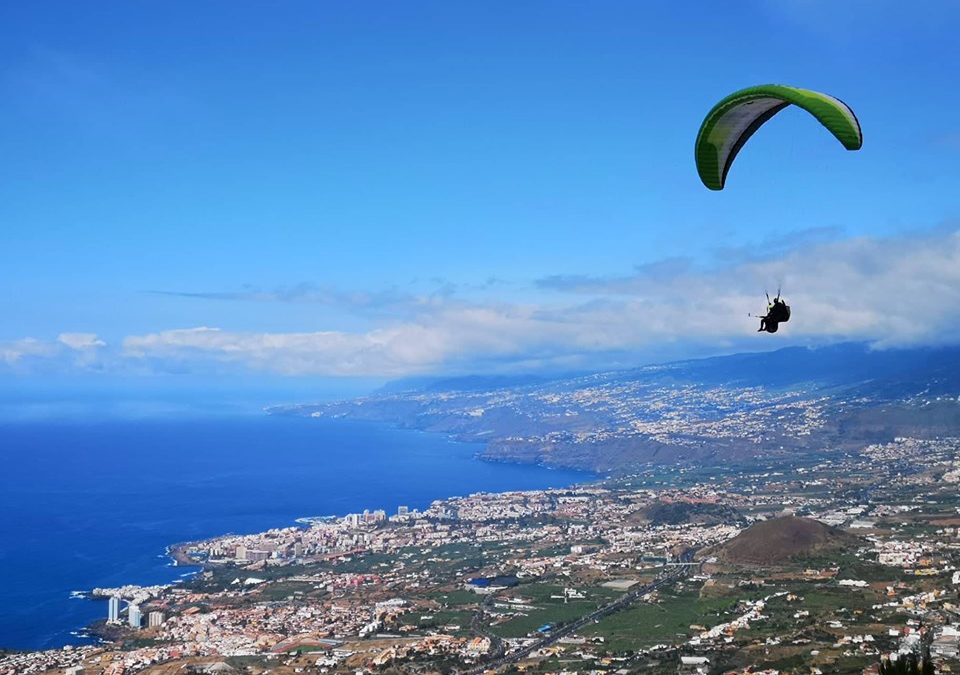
point(95, 503)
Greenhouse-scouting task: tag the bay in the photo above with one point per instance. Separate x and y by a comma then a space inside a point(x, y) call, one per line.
point(95, 503)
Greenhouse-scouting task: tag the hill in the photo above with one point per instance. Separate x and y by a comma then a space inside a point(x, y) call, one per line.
point(675, 513)
point(776, 541)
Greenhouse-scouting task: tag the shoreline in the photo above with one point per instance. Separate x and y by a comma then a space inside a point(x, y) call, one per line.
point(105, 634)
point(489, 451)
point(177, 552)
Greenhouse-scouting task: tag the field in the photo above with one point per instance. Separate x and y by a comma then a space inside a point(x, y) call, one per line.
point(647, 624)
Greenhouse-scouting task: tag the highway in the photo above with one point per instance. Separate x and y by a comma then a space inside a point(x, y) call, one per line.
point(672, 575)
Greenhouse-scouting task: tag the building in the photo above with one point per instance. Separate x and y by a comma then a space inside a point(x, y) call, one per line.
point(134, 617)
point(402, 510)
point(254, 555)
point(154, 619)
point(486, 585)
point(113, 610)
point(241, 553)
point(75, 670)
point(946, 642)
point(693, 665)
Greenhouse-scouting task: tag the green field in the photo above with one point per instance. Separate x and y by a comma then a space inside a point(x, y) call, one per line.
point(827, 600)
point(549, 610)
point(552, 612)
point(646, 624)
point(442, 618)
point(457, 598)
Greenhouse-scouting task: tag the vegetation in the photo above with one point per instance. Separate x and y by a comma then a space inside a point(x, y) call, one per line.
point(907, 665)
point(675, 513)
point(555, 612)
point(646, 624)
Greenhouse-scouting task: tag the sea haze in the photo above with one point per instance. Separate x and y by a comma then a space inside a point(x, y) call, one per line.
point(95, 503)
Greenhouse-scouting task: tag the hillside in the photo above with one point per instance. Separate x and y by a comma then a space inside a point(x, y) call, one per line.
point(776, 541)
point(787, 403)
point(675, 513)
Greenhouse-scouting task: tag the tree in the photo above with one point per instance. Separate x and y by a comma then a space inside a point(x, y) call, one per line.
point(907, 665)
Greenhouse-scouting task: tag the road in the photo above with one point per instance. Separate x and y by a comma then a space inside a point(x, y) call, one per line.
point(497, 646)
point(557, 633)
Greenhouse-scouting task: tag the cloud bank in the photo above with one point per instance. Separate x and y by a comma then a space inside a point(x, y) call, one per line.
point(898, 291)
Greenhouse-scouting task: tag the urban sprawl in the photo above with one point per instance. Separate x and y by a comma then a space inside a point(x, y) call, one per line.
point(648, 572)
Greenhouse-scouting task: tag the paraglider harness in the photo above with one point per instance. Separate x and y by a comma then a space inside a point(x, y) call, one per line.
point(778, 312)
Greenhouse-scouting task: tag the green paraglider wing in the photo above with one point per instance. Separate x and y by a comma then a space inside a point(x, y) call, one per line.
point(735, 119)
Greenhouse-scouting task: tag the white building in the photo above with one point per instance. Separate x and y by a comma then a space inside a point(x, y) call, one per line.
point(134, 617)
point(694, 665)
point(946, 642)
point(113, 611)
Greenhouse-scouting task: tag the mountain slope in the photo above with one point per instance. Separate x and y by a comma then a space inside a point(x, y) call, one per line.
point(771, 404)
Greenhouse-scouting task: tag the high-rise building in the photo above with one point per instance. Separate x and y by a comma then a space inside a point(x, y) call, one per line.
point(255, 555)
point(113, 610)
point(74, 670)
point(154, 619)
point(134, 617)
point(402, 510)
point(241, 553)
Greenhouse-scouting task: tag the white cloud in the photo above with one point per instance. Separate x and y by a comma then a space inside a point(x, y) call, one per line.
point(16, 351)
point(400, 349)
point(68, 350)
point(899, 290)
point(891, 292)
point(81, 341)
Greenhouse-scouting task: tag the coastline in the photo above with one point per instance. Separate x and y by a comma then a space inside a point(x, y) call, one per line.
point(549, 456)
point(398, 468)
point(179, 556)
point(178, 553)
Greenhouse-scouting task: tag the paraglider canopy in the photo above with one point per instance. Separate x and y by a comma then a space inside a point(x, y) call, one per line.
point(732, 121)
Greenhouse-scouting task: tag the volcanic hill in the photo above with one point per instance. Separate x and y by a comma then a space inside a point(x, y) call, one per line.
point(775, 541)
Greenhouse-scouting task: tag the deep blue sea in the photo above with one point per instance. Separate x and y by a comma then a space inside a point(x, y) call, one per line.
point(85, 504)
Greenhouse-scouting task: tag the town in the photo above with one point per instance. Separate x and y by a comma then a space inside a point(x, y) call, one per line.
point(666, 570)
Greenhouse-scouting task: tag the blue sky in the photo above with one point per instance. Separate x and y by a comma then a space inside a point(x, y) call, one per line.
point(382, 189)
